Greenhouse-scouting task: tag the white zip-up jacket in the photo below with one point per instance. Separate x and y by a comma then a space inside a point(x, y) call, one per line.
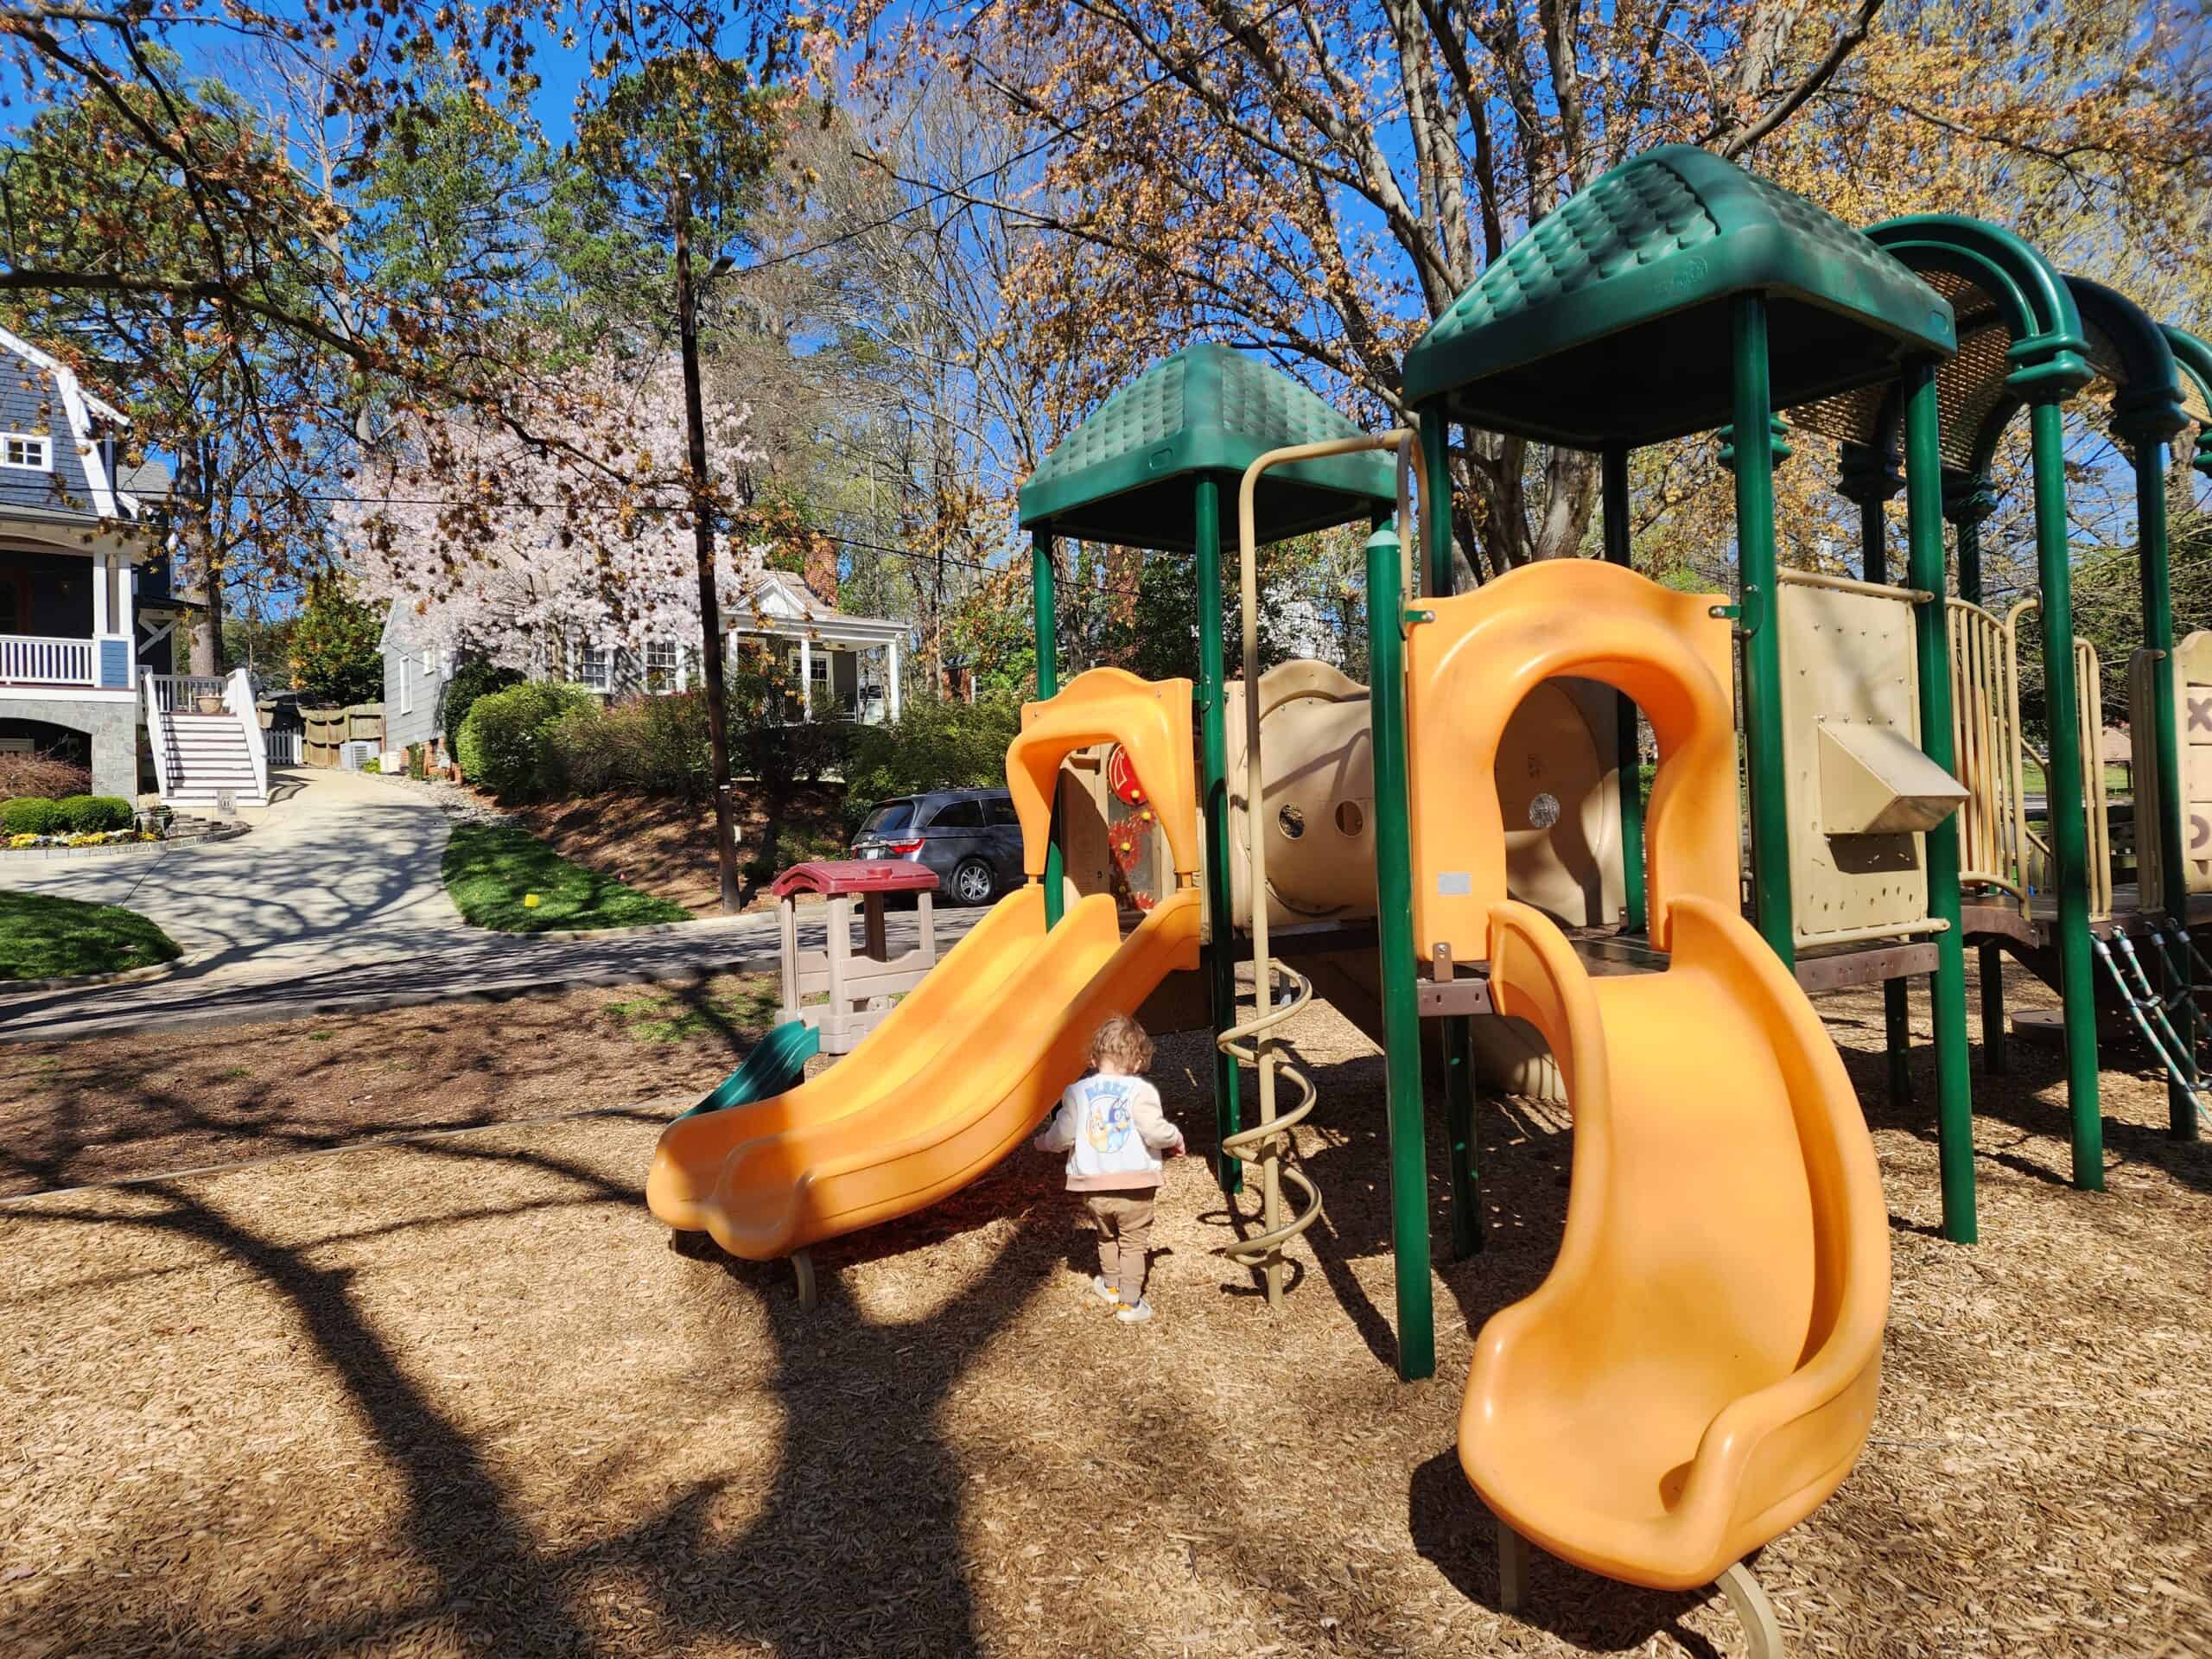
point(1113, 1131)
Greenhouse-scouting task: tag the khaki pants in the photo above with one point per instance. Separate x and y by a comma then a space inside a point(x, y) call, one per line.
point(1124, 1238)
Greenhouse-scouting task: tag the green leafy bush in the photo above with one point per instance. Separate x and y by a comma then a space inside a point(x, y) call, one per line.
point(659, 745)
point(417, 765)
point(505, 742)
point(88, 815)
point(373, 765)
point(30, 815)
point(473, 679)
point(934, 745)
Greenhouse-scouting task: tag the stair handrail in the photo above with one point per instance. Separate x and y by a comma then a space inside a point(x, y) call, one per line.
point(238, 698)
point(157, 737)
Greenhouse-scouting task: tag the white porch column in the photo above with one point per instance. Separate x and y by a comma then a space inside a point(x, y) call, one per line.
point(891, 682)
point(103, 569)
point(805, 677)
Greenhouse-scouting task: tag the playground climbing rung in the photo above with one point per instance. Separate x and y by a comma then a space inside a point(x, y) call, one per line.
point(2175, 1055)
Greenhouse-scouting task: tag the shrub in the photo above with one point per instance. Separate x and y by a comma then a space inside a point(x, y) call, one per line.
point(45, 774)
point(86, 815)
point(505, 741)
point(373, 765)
point(934, 743)
point(30, 815)
point(659, 745)
point(416, 765)
point(471, 680)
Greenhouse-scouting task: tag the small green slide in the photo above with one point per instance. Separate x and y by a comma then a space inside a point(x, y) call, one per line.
point(775, 1067)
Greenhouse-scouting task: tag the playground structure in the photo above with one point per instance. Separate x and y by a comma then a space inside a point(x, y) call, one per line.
point(857, 990)
point(1463, 841)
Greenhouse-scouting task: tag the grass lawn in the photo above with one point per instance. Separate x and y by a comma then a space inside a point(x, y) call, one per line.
point(44, 938)
point(490, 868)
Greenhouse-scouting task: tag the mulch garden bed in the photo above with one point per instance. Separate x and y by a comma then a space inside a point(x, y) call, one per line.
point(666, 846)
point(458, 1396)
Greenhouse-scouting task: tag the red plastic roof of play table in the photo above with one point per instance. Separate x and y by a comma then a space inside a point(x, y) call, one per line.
point(863, 876)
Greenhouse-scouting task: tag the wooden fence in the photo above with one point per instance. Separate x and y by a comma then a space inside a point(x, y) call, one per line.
point(327, 730)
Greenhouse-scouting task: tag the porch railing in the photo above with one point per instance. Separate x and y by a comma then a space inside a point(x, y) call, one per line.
point(179, 694)
point(31, 659)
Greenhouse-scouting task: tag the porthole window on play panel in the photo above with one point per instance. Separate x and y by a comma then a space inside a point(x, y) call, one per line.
point(1351, 820)
point(1291, 822)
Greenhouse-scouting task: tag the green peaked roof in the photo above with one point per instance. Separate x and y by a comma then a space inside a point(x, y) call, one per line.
point(1610, 322)
point(1129, 474)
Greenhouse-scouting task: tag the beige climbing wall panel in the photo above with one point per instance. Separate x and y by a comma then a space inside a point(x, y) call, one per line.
point(2193, 729)
point(1858, 783)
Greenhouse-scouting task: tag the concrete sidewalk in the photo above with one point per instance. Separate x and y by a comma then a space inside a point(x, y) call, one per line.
point(334, 902)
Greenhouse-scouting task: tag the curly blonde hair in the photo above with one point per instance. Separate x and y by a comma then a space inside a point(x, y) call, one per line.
point(1121, 1043)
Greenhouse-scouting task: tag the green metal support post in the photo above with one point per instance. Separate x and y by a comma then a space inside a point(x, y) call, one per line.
point(1048, 685)
point(1213, 784)
point(1752, 439)
point(1967, 500)
point(1393, 897)
point(1948, 984)
point(1628, 743)
point(1439, 579)
point(2151, 460)
point(2068, 827)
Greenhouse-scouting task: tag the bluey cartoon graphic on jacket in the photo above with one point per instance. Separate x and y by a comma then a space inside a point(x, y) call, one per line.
point(1107, 1120)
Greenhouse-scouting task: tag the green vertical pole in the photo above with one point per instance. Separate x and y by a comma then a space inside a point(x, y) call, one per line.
point(1213, 783)
point(1627, 744)
point(2068, 829)
point(2150, 457)
point(1752, 439)
point(1048, 685)
point(1394, 926)
point(1923, 496)
point(1440, 578)
point(1896, 1039)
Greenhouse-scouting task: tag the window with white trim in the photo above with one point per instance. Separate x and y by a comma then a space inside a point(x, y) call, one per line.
point(406, 689)
point(29, 451)
point(596, 668)
point(660, 665)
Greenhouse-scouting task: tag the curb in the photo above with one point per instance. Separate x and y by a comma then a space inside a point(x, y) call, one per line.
point(125, 849)
point(85, 981)
point(642, 931)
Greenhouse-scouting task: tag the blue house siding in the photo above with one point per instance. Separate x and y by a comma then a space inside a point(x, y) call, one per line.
point(30, 402)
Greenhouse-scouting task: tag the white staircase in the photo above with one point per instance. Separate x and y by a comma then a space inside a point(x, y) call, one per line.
point(198, 757)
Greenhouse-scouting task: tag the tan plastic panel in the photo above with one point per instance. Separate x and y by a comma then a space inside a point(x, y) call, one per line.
point(1317, 793)
point(2193, 728)
point(1847, 662)
point(1875, 781)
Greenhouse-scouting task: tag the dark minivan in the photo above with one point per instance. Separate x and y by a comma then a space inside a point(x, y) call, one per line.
point(970, 838)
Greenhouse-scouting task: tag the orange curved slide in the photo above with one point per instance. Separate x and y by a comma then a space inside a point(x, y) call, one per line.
point(1699, 1370)
point(958, 1075)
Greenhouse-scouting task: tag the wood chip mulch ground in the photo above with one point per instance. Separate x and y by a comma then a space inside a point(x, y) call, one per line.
point(457, 1397)
point(666, 846)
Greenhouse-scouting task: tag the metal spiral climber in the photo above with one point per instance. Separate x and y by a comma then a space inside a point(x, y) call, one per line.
point(1265, 1144)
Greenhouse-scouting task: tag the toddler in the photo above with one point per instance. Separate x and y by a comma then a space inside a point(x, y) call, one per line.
point(1113, 1131)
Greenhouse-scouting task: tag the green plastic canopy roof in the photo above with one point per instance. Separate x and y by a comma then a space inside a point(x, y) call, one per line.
point(1610, 322)
point(1128, 475)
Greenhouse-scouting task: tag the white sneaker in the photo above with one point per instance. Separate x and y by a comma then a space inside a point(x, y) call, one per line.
point(1136, 1313)
point(1101, 1289)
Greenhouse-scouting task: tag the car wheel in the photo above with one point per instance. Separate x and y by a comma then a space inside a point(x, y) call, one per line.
point(973, 882)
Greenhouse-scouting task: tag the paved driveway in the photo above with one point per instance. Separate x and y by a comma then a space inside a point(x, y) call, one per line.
point(335, 901)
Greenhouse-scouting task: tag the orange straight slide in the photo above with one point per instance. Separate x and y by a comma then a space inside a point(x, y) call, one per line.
point(957, 1077)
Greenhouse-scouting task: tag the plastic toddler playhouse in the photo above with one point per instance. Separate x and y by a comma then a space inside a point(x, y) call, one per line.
point(1463, 842)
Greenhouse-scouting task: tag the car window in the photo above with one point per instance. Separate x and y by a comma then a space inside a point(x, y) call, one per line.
point(889, 818)
point(1000, 814)
point(958, 815)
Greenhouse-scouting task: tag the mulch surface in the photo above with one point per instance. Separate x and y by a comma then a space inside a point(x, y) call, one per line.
point(458, 1396)
point(666, 846)
point(110, 1108)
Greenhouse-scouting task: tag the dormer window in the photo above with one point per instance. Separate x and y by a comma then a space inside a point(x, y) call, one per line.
point(30, 452)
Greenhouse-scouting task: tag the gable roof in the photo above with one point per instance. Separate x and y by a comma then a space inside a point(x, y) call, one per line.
point(39, 396)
